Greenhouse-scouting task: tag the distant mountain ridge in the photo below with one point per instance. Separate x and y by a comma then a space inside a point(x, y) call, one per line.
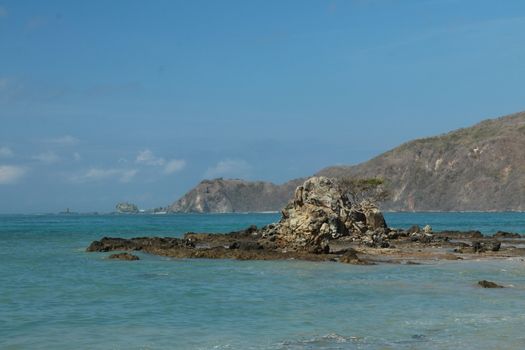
point(235, 195)
point(480, 168)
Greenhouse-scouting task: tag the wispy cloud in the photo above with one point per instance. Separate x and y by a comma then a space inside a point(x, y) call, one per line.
point(6, 152)
point(174, 166)
point(170, 166)
point(101, 174)
point(77, 156)
point(47, 157)
point(10, 174)
point(148, 158)
point(66, 140)
point(229, 168)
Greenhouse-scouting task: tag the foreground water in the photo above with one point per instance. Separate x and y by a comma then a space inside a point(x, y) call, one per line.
point(53, 295)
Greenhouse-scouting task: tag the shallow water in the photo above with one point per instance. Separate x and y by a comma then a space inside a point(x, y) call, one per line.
point(54, 295)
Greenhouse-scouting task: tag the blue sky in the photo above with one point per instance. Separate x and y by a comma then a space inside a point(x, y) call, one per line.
point(107, 101)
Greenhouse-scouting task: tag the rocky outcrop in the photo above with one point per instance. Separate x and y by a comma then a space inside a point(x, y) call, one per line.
point(126, 208)
point(234, 195)
point(320, 212)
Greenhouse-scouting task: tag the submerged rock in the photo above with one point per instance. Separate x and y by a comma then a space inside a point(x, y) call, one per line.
point(489, 284)
point(124, 256)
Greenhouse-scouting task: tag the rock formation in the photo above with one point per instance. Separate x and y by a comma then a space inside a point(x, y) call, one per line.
point(320, 212)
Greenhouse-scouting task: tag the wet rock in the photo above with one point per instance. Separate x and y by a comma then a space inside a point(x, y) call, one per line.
point(503, 234)
point(248, 245)
point(494, 246)
point(489, 284)
point(481, 247)
point(124, 256)
point(350, 257)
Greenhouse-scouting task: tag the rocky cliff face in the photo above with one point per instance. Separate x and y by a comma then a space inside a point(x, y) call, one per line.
point(233, 195)
point(481, 168)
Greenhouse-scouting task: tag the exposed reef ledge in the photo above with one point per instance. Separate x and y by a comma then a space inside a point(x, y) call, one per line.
point(251, 245)
point(320, 224)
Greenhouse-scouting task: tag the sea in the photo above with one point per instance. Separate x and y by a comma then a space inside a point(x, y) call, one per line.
point(54, 295)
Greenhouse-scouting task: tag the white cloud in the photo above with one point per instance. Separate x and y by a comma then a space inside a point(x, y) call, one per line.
point(66, 140)
point(174, 166)
point(100, 174)
point(47, 157)
point(148, 158)
point(6, 152)
point(229, 168)
point(10, 174)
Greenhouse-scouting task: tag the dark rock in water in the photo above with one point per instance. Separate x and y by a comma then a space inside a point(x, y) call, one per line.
point(489, 284)
point(124, 256)
point(503, 234)
point(350, 257)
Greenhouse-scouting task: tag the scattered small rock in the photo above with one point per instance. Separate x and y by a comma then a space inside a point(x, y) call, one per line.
point(489, 284)
point(124, 256)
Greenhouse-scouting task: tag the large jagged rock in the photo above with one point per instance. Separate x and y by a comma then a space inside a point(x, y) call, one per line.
point(319, 212)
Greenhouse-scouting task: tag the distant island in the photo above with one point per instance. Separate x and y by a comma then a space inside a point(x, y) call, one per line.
point(130, 208)
point(480, 168)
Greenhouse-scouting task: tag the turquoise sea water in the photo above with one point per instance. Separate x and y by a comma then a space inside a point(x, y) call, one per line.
point(53, 295)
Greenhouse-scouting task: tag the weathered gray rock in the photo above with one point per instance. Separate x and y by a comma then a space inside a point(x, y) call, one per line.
point(320, 212)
